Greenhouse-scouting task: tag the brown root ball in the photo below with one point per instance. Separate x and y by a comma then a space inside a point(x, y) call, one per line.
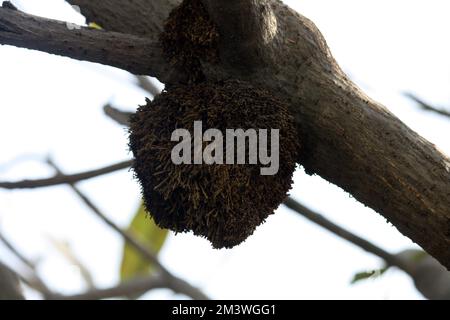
point(221, 202)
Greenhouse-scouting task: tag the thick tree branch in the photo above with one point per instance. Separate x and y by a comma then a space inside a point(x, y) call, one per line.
point(129, 52)
point(138, 17)
point(245, 26)
point(349, 139)
point(65, 179)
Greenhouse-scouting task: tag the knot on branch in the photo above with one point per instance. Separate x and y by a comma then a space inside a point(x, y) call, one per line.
point(203, 184)
point(189, 37)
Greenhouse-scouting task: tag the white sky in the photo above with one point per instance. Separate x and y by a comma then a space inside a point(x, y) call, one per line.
point(52, 105)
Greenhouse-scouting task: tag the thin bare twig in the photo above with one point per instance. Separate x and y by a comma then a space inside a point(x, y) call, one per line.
point(119, 116)
point(65, 250)
point(318, 219)
point(172, 282)
point(33, 281)
point(123, 117)
point(65, 179)
point(126, 235)
point(146, 84)
point(127, 288)
point(17, 253)
point(426, 106)
point(121, 290)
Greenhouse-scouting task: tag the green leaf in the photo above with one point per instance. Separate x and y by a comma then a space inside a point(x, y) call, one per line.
point(365, 275)
point(144, 229)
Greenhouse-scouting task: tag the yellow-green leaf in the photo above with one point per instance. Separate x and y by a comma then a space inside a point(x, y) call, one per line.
point(93, 25)
point(144, 229)
point(374, 274)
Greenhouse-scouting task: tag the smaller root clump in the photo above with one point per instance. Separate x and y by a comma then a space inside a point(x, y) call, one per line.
point(190, 36)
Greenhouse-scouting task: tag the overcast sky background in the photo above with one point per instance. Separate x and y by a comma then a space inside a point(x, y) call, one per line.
point(52, 105)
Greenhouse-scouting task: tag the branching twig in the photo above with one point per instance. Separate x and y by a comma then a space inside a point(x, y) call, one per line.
point(172, 282)
point(127, 236)
point(64, 179)
point(317, 218)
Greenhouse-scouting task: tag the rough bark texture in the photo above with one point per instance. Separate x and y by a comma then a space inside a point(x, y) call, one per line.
point(136, 54)
point(138, 17)
point(350, 140)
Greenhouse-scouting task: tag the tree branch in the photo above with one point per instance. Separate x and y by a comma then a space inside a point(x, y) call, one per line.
point(129, 52)
point(121, 117)
point(64, 179)
point(320, 220)
point(172, 282)
point(145, 84)
point(427, 106)
point(245, 26)
point(124, 289)
point(16, 252)
point(348, 139)
point(138, 17)
point(129, 288)
point(127, 236)
point(34, 281)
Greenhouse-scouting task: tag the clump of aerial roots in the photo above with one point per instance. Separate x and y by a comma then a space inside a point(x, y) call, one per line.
point(221, 202)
